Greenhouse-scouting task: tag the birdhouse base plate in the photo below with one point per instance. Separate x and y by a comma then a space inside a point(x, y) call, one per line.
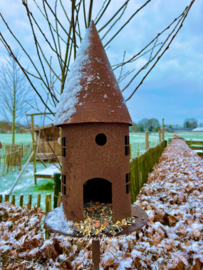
point(141, 219)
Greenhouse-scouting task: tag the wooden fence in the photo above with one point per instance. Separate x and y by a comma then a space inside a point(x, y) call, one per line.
point(48, 201)
point(142, 165)
point(43, 147)
point(139, 168)
point(194, 145)
point(48, 150)
point(26, 149)
point(29, 200)
point(11, 157)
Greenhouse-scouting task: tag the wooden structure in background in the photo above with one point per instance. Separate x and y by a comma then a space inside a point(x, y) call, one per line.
point(13, 156)
point(47, 133)
point(47, 139)
point(48, 146)
point(46, 173)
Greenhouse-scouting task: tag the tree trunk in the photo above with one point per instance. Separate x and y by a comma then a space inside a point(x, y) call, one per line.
point(14, 106)
point(13, 127)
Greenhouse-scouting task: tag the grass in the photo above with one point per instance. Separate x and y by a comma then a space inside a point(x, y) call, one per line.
point(20, 138)
point(45, 186)
point(26, 185)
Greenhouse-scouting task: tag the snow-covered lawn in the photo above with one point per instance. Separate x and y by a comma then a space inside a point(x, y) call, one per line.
point(26, 184)
point(25, 138)
point(171, 240)
point(137, 140)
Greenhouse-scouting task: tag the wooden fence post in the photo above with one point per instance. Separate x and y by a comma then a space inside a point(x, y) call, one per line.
point(59, 199)
point(48, 203)
point(38, 200)
point(57, 187)
point(20, 156)
point(30, 201)
point(159, 136)
point(6, 198)
point(96, 253)
point(146, 140)
point(48, 209)
point(163, 129)
point(13, 199)
point(0, 202)
point(33, 143)
point(21, 200)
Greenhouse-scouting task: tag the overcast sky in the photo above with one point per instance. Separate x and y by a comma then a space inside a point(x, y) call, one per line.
point(172, 91)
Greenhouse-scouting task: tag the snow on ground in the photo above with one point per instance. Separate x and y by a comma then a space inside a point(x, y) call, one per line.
point(26, 184)
point(171, 240)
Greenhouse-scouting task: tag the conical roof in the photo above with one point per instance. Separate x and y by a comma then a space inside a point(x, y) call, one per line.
point(91, 92)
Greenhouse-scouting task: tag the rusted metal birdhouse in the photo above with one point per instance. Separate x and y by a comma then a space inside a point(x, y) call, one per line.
point(95, 134)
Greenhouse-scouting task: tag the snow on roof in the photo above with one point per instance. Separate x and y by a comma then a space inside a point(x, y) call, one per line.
point(91, 92)
point(69, 98)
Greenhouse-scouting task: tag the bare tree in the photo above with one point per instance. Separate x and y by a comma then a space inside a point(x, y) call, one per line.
point(190, 123)
point(64, 38)
point(14, 91)
point(65, 22)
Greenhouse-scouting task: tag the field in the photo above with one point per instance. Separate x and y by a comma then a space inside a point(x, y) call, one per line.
point(44, 186)
point(26, 138)
point(26, 182)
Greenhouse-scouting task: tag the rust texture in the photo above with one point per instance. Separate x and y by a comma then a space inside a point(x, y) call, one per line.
point(90, 171)
point(86, 160)
point(100, 95)
point(141, 220)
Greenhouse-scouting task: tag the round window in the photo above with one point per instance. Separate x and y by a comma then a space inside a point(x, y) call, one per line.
point(101, 139)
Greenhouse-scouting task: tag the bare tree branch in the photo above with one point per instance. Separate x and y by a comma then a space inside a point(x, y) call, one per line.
point(114, 16)
point(49, 22)
point(127, 22)
point(90, 12)
point(84, 13)
point(145, 65)
point(102, 10)
point(185, 15)
point(13, 56)
point(123, 11)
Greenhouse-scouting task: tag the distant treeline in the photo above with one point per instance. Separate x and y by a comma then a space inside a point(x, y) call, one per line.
point(153, 125)
point(6, 127)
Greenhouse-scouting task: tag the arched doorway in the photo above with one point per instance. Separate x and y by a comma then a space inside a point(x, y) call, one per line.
point(97, 190)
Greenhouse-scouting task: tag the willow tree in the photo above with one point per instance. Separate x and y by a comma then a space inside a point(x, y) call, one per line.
point(14, 92)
